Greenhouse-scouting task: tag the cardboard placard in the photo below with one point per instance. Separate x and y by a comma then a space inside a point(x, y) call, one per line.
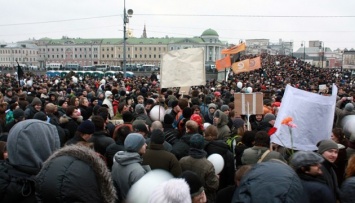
point(255, 101)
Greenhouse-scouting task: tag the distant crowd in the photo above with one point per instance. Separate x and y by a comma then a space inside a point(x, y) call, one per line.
point(73, 139)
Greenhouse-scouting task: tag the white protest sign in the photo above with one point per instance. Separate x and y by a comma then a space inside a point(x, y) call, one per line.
point(184, 67)
point(312, 113)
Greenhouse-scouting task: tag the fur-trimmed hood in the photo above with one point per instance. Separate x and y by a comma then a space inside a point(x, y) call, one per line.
point(75, 174)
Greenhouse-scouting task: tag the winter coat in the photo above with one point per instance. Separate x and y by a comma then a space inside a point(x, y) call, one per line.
point(181, 146)
point(30, 112)
point(111, 150)
point(158, 158)
point(101, 141)
point(316, 190)
point(330, 177)
point(253, 154)
point(270, 182)
point(221, 148)
point(29, 144)
point(144, 117)
point(70, 124)
point(110, 107)
point(75, 174)
point(348, 190)
point(205, 170)
point(85, 112)
point(170, 134)
point(127, 170)
point(222, 126)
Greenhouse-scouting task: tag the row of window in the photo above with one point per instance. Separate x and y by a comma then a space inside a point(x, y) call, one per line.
point(129, 56)
point(61, 49)
point(12, 51)
point(103, 56)
point(17, 59)
point(140, 48)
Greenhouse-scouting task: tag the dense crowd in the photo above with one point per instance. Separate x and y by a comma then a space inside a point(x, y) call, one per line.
point(65, 139)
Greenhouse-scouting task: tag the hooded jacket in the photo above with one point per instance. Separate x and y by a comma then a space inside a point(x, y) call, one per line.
point(75, 174)
point(127, 170)
point(270, 182)
point(29, 144)
point(222, 125)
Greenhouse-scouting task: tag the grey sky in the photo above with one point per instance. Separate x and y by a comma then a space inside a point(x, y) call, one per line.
point(336, 32)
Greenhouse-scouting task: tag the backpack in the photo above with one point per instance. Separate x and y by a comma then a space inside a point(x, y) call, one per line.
point(233, 141)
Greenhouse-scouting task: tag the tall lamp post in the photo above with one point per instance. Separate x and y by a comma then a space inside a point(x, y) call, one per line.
point(304, 50)
point(126, 15)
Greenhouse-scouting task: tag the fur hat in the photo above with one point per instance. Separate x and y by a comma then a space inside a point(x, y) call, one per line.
point(172, 191)
point(157, 136)
point(194, 182)
point(18, 114)
point(36, 101)
point(326, 145)
point(269, 117)
point(197, 141)
point(139, 108)
point(224, 108)
point(134, 142)
point(305, 158)
point(86, 127)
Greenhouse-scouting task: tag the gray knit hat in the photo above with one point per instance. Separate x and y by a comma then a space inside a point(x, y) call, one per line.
point(305, 158)
point(139, 108)
point(212, 105)
point(36, 101)
point(269, 117)
point(325, 145)
point(134, 142)
point(224, 108)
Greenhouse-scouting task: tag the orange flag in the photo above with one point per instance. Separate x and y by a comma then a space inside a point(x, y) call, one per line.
point(221, 64)
point(240, 66)
point(254, 63)
point(234, 50)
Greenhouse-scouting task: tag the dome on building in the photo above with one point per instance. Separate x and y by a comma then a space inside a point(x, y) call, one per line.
point(209, 32)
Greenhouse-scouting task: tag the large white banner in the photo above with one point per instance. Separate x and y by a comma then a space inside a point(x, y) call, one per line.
point(313, 115)
point(184, 67)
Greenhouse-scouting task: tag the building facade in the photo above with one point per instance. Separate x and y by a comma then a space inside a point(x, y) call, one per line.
point(88, 52)
point(25, 54)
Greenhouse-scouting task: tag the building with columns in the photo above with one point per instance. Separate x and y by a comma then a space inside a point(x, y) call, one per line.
point(143, 50)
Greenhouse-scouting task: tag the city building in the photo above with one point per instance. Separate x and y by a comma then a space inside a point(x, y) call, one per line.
point(87, 52)
point(26, 54)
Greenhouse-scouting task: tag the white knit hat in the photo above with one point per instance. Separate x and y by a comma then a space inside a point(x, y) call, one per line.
point(175, 190)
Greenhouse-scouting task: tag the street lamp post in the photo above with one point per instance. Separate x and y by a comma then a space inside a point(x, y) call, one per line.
point(126, 15)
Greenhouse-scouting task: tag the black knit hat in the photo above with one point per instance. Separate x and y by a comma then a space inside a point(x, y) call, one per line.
point(197, 141)
point(157, 136)
point(194, 182)
point(86, 127)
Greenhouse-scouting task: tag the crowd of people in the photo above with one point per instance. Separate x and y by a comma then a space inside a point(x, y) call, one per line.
point(92, 139)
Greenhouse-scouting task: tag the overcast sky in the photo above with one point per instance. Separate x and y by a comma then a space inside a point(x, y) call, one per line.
point(233, 20)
